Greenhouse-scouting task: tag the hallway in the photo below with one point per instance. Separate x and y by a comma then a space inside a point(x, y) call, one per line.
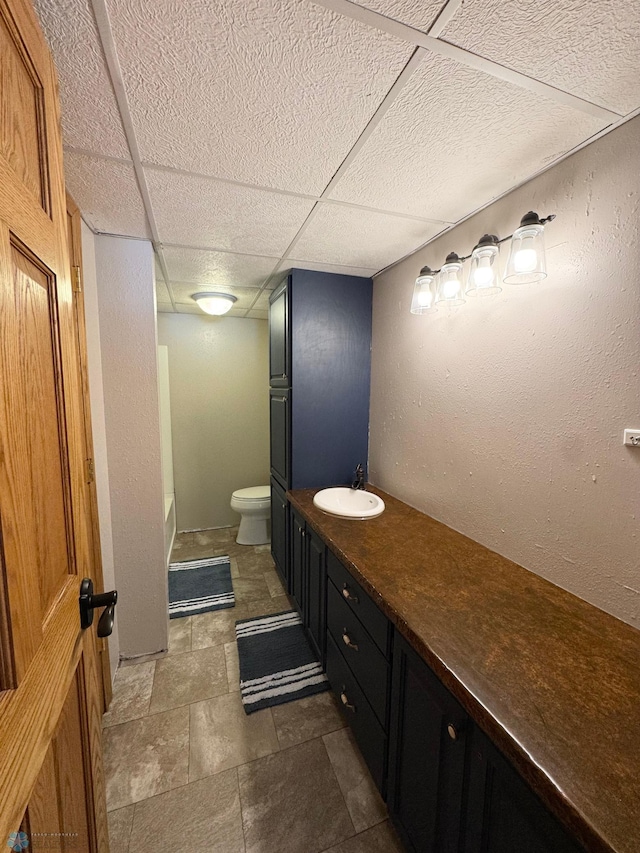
point(186, 767)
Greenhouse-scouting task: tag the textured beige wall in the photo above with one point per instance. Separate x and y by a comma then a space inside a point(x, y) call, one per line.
point(504, 418)
point(128, 340)
point(219, 380)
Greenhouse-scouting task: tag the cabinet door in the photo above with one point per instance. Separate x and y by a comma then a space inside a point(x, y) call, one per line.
point(279, 517)
point(503, 813)
point(279, 436)
point(427, 756)
point(297, 566)
point(279, 338)
point(317, 591)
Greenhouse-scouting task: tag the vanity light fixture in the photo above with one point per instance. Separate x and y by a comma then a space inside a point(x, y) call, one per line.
point(526, 263)
point(214, 303)
point(527, 260)
point(484, 274)
point(450, 281)
point(424, 292)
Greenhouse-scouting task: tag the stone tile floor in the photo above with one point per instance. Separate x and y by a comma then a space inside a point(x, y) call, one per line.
point(187, 769)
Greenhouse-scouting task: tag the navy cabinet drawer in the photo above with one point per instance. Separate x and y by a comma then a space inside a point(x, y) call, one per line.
point(361, 654)
point(366, 729)
point(357, 599)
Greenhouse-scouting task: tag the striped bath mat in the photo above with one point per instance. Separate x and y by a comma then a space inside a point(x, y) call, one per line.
point(198, 586)
point(277, 663)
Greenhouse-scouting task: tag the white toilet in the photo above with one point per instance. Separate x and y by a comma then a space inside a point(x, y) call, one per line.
point(254, 506)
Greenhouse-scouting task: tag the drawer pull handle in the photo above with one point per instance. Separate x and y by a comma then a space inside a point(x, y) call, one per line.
point(453, 732)
point(345, 701)
point(346, 639)
point(347, 594)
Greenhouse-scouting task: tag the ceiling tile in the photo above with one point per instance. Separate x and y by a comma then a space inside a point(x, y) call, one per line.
point(162, 293)
point(182, 293)
point(273, 93)
point(258, 315)
point(165, 308)
point(90, 116)
point(416, 13)
point(354, 237)
point(203, 212)
point(319, 266)
point(107, 193)
point(455, 139)
point(217, 268)
point(262, 302)
point(586, 47)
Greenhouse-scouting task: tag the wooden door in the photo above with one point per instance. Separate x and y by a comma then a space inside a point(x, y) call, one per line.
point(74, 233)
point(51, 778)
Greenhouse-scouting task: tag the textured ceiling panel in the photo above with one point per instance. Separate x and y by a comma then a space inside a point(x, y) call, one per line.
point(262, 302)
point(361, 238)
point(288, 263)
point(165, 308)
point(273, 92)
point(90, 117)
point(217, 268)
point(258, 315)
point(162, 293)
point(192, 211)
point(107, 194)
point(182, 292)
point(587, 47)
point(456, 138)
point(416, 13)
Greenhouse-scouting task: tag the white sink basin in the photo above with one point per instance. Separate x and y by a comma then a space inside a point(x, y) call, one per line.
point(349, 503)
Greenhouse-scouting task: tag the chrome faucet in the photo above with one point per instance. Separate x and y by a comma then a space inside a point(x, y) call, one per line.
point(358, 483)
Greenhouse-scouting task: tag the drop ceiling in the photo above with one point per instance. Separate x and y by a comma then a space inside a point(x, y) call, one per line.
point(245, 138)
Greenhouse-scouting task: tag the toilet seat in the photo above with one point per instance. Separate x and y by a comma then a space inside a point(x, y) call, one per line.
point(253, 494)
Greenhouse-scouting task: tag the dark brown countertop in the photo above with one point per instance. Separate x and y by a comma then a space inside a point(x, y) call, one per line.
point(554, 681)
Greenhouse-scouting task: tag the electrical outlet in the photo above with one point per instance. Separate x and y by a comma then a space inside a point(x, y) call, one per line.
point(632, 437)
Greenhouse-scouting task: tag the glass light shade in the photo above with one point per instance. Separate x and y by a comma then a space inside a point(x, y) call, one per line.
point(484, 273)
point(214, 303)
point(424, 292)
point(527, 261)
point(450, 282)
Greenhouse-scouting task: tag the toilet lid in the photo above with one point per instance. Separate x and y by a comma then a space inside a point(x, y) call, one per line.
point(253, 493)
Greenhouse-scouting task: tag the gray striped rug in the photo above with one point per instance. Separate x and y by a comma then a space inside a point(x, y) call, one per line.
point(277, 663)
point(199, 586)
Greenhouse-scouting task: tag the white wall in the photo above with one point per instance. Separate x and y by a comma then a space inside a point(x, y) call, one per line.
point(219, 379)
point(504, 418)
point(126, 301)
point(167, 451)
point(98, 426)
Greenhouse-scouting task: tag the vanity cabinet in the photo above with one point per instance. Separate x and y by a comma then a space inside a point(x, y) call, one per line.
point(279, 531)
point(308, 579)
point(358, 664)
point(279, 349)
point(320, 366)
point(427, 756)
point(503, 814)
point(450, 789)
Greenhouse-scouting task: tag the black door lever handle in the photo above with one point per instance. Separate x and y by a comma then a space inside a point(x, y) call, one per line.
point(89, 601)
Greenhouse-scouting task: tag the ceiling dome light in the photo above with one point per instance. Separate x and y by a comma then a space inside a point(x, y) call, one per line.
point(527, 261)
point(424, 292)
point(450, 282)
point(214, 303)
point(484, 275)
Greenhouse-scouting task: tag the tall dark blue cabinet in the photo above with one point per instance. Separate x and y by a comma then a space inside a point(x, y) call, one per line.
point(320, 369)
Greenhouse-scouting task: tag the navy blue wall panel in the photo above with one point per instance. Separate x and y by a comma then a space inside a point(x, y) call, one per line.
point(331, 374)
